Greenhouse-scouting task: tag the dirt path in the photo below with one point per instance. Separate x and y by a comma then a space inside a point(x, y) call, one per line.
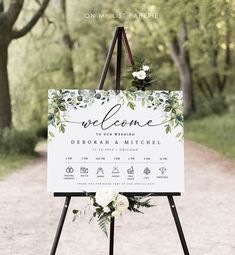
point(29, 215)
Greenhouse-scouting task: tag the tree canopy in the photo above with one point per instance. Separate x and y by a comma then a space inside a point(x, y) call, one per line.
point(189, 45)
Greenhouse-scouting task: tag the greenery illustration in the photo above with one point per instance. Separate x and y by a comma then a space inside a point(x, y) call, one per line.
point(62, 101)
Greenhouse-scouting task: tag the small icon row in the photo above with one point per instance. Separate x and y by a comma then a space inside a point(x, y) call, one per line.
point(146, 171)
point(100, 170)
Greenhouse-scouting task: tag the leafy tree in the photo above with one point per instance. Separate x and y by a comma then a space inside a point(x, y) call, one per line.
point(68, 42)
point(69, 50)
point(172, 26)
point(8, 32)
point(213, 58)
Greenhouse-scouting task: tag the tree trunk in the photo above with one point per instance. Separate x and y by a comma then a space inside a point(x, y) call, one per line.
point(7, 33)
point(68, 67)
point(186, 87)
point(180, 56)
point(5, 101)
point(185, 73)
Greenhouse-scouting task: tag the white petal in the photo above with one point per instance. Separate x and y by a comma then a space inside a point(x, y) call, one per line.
point(145, 68)
point(134, 74)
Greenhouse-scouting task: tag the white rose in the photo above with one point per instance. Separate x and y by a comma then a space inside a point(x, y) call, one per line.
point(105, 196)
point(141, 75)
point(145, 68)
point(116, 214)
point(106, 209)
point(121, 203)
point(134, 74)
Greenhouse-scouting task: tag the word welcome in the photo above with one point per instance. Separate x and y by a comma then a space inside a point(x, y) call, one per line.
point(109, 121)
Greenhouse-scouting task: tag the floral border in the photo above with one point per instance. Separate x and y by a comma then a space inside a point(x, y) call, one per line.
point(170, 102)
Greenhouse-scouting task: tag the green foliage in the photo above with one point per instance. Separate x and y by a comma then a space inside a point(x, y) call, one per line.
point(12, 162)
point(170, 103)
point(135, 203)
point(103, 222)
point(60, 100)
point(216, 132)
point(217, 105)
point(41, 132)
point(13, 141)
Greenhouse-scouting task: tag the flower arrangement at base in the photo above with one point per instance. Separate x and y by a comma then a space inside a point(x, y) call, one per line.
point(107, 203)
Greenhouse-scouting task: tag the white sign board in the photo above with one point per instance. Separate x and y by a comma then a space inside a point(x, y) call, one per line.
point(130, 141)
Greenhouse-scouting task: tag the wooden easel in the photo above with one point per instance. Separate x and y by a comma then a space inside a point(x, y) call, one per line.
point(119, 38)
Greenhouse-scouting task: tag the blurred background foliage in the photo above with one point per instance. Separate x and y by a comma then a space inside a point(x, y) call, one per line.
point(189, 44)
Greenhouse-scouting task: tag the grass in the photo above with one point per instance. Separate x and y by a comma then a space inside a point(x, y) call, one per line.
point(11, 163)
point(216, 132)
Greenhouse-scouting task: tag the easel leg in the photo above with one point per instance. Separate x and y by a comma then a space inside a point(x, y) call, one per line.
point(178, 225)
point(60, 225)
point(111, 236)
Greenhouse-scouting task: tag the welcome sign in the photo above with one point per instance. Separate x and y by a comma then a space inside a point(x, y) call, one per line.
point(130, 141)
